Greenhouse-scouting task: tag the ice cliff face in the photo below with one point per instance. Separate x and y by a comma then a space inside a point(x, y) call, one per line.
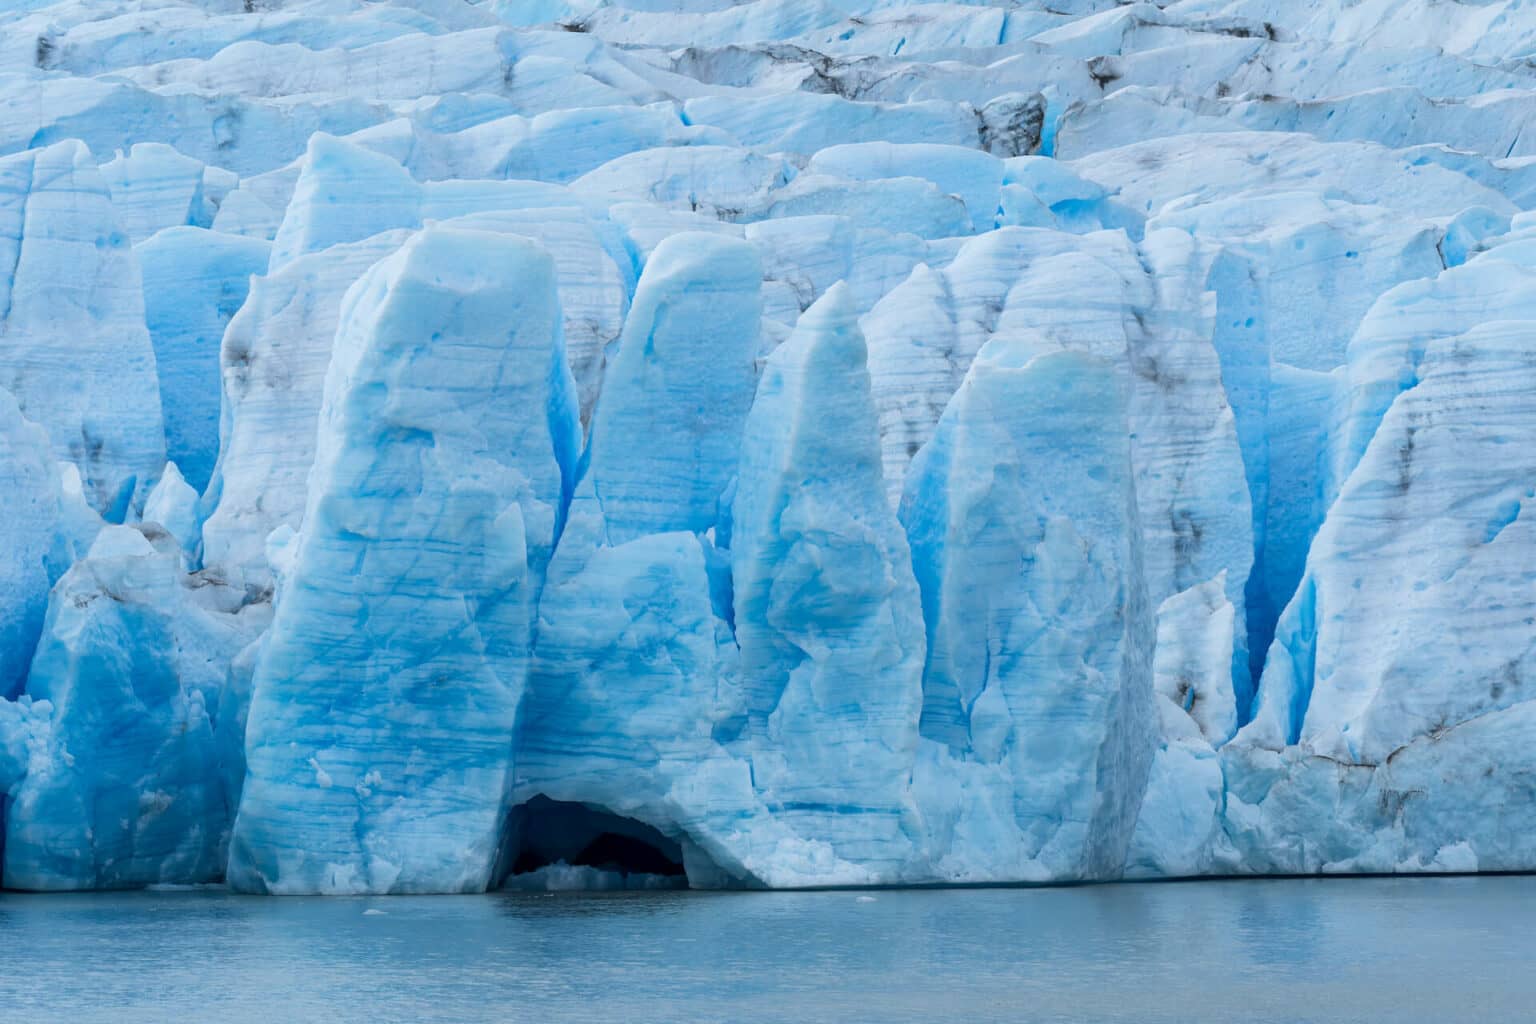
point(769, 444)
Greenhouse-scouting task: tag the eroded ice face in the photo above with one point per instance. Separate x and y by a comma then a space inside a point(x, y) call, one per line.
point(772, 443)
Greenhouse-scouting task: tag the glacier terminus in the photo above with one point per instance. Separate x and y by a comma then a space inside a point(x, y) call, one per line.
point(456, 444)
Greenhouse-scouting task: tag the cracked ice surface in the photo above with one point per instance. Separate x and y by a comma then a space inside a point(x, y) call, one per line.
point(860, 442)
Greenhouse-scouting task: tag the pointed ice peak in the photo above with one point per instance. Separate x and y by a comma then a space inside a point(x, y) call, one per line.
point(406, 329)
point(691, 255)
point(345, 193)
point(835, 308)
point(819, 377)
point(432, 507)
point(829, 329)
point(827, 612)
point(173, 504)
point(666, 432)
point(925, 276)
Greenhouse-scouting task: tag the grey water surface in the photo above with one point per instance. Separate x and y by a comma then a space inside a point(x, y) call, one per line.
point(1366, 950)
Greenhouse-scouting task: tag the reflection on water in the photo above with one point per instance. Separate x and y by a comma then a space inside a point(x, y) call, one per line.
point(1337, 950)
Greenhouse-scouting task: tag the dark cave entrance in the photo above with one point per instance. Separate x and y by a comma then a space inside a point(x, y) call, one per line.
point(544, 834)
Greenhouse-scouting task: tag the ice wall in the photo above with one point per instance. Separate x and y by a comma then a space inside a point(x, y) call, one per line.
point(808, 443)
point(379, 739)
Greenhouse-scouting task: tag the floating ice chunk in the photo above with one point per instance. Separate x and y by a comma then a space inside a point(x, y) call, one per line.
point(563, 877)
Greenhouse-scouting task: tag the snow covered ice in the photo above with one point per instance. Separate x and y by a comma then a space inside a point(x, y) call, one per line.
point(633, 443)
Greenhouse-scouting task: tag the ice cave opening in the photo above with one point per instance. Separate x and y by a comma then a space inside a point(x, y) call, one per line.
point(558, 844)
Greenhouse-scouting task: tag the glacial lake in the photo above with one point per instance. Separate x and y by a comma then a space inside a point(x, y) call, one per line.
point(1336, 950)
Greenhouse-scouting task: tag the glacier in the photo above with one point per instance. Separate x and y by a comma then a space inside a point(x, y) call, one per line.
point(457, 444)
